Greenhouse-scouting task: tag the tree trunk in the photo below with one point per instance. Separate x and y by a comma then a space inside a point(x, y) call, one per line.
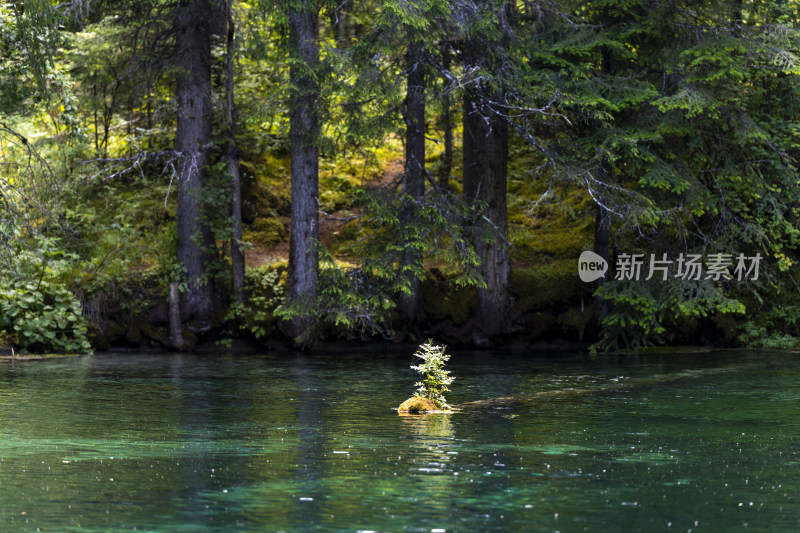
point(485, 161)
point(175, 332)
point(232, 156)
point(339, 26)
point(414, 178)
point(305, 129)
point(447, 126)
point(602, 233)
point(411, 306)
point(485, 167)
point(193, 95)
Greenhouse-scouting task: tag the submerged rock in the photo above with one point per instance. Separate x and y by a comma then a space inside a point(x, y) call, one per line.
point(417, 404)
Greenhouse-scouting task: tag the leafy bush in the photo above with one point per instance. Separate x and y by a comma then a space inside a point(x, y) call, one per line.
point(643, 313)
point(265, 287)
point(436, 378)
point(43, 317)
point(755, 336)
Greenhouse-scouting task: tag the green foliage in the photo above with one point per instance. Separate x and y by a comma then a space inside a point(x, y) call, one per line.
point(645, 312)
point(43, 318)
point(677, 119)
point(215, 201)
point(265, 288)
point(755, 336)
point(28, 37)
point(360, 300)
point(351, 300)
point(436, 227)
point(435, 379)
point(777, 327)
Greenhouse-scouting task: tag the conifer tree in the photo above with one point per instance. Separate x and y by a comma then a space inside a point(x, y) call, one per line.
point(305, 132)
point(196, 246)
point(232, 157)
point(414, 175)
point(485, 160)
point(667, 138)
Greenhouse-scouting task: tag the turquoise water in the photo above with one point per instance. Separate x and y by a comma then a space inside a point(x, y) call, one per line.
point(287, 442)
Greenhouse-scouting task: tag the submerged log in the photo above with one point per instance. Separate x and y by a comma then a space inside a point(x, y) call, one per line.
point(613, 385)
point(416, 404)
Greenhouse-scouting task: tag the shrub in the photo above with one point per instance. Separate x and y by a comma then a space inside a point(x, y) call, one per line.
point(436, 378)
point(43, 317)
point(266, 289)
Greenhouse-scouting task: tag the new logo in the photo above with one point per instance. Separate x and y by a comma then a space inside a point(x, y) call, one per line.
point(591, 267)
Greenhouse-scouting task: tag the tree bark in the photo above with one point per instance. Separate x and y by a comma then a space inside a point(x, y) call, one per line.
point(485, 161)
point(411, 305)
point(414, 178)
point(196, 247)
point(339, 26)
point(232, 157)
point(602, 235)
point(305, 129)
point(485, 168)
point(175, 332)
point(447, 126)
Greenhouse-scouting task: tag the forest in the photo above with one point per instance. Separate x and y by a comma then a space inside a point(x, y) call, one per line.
point(182, 172)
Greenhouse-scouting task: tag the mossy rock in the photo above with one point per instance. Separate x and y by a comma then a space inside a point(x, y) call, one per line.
point(554, 240)
point(148, 330)
point(443, 300)
point(266, 232)
point(113, 330)
point(6, 346)
point(729, 327)
point(539, 323)
point(417, 404)
point(576, 320)
point(134, 334)
point(545, 286)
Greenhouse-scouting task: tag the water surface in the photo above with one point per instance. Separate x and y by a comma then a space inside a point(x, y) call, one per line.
point(288, 442)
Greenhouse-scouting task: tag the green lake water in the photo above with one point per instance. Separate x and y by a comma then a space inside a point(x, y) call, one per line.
point(291, 442)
